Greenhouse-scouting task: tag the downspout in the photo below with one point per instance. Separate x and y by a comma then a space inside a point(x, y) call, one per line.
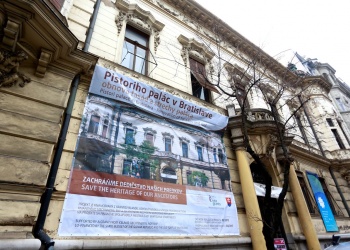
point(330, 168)
point(38, 231)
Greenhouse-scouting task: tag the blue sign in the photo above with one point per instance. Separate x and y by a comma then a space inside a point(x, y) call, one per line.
point(322, 203)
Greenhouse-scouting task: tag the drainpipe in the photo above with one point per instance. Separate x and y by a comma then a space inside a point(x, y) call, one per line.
point(38, 231)
point(91, 26)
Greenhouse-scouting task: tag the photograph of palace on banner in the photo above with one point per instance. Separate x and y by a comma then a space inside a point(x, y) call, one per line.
point(119, 139)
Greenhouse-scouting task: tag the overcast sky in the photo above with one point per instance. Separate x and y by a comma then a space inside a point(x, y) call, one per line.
point(313, 28)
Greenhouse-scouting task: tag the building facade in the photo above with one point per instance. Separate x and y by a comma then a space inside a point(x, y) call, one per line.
point(56, 127)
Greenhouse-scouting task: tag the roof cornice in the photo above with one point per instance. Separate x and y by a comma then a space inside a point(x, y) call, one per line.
point(196, 12)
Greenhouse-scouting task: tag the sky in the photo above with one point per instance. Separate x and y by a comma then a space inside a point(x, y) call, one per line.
point(313, 28)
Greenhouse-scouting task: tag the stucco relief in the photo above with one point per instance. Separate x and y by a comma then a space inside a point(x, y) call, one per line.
point(9, 68)
point(119, 20)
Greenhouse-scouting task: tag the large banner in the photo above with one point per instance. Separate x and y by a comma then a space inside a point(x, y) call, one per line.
point(322, 203)
point(116, 86)
point(141, 173)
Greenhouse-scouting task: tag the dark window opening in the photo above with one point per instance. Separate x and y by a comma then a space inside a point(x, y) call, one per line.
point(185, 150)
point(338, 139)
point(105, 128)
point(342, 130)
point(330, 122)
point(200, 153)
point(221, 155)
point(94, 123)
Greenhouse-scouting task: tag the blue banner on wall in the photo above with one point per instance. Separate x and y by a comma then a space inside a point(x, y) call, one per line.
point(322, 203)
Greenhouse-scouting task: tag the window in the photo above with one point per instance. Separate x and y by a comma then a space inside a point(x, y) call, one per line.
point(301, 128)
point(93, 125)
point(135, 50)
point(167, 144)
point(342, 130)
point(201, 86)
point(340, 104)
point(149, 138)
point(338, 139)
point(332, 203)
point(184, 149)
point(330, 122)
point(215, 155)
point(105, 128)
point(221, 155)
point(200, 153)
point(129, 136)
point(241, 95)
point(307, 194)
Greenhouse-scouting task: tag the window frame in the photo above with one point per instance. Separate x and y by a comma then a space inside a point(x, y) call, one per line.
point(184, 152)
point(338, 138)
point(136, 45)
point(129, 132)
point(201, 87)
point(167, 144)
point(309, 198)
point(200, 153)
point(94, 125)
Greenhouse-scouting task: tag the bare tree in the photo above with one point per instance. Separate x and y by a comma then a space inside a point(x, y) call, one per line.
point(280, 91)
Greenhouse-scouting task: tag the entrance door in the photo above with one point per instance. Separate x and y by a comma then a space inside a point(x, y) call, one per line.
point(258, 177)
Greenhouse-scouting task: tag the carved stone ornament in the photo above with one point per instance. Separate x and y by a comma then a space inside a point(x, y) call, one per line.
point(9, 66)
point(195, 49)
point(138, 18)
point(119, 20)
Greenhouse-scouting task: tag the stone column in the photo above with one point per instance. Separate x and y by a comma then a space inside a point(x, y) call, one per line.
point(303, 211)
point(250, 200)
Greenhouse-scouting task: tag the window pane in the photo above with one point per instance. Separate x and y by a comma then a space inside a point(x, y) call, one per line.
point(128, 55)
point(137, 36)
point(200, 153)
point(140, 60)
point(129, 137)
point(184, 150)
point(167, 145)
point(214, 154)
point(93, 125)
point(221, 156)
point(149, 137)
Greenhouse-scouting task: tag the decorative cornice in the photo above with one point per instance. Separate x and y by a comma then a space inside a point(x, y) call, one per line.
point(195, 16)
point(237, 75)
point(54, 47)
point(318, 81)
point(193, 48)
point(139, 18)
